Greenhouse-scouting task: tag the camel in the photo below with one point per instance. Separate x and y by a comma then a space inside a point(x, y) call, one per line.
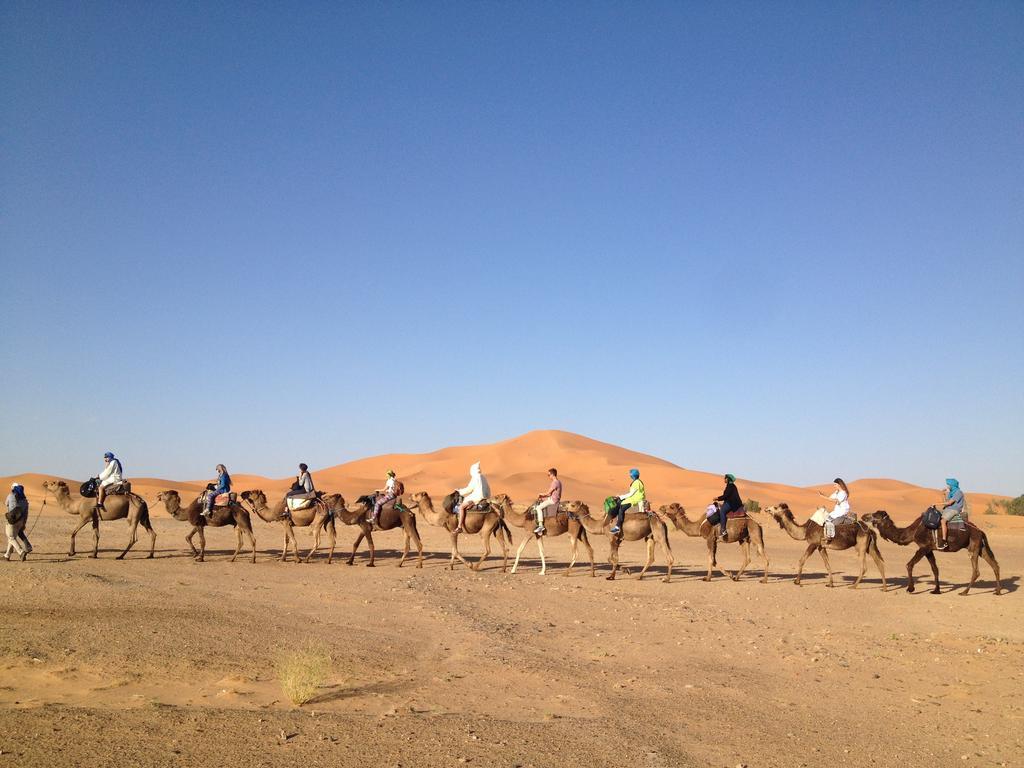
point(859, 536)
point(232, 514)
point(129, 505)
point(392, 515)
point(971, 538)
point(319, 515)
point(742, 531)
point(487, 523)
point(636, 526)
point(560, 523)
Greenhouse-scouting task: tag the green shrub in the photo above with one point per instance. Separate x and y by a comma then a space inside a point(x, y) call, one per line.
point(1009, 506)
point(302, 672)
point(752, 505)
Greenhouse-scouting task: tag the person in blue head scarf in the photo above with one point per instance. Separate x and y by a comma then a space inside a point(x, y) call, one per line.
point(952, 508)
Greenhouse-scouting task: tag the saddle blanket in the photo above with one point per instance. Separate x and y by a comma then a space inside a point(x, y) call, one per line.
point(294, 505)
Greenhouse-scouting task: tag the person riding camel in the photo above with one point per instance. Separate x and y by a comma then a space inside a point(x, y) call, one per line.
point(385, 495)
point(841, 497)
point(636, 496)
point(477, 490)
point(111, 476)
point(222, 485)
point(302, 488)
point(952, 507)
point(731, 501)
point(549, 499)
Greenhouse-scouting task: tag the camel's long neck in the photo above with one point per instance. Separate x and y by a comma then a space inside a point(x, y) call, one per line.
point(891, 532)
point(686, 525)
point(64, 502)
point(265, 513)
point(512, 517)
point(431, 515)
point(797, 530)
point(591, 524)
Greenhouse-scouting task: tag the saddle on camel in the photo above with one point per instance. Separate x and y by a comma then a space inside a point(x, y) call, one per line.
point(713, 514)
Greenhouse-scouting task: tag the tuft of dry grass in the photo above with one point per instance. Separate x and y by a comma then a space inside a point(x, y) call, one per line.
point(303, 671)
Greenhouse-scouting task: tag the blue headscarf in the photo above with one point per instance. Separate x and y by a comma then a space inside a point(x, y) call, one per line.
point(19, 492)
point(954, 486)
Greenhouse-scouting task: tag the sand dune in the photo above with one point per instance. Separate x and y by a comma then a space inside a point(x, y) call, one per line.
point(590, 470)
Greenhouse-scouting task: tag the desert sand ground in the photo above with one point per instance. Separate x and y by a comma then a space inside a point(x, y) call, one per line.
point(169, 662)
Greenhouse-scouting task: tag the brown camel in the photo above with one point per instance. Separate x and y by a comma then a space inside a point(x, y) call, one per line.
point(970, 537)
point(485, 522)
point(635, 527)
point(556, 525)
point(319, 515)
point(393, 515)
point(232, 514)
point(742, 531)
point(858, 536)
point(129, 505)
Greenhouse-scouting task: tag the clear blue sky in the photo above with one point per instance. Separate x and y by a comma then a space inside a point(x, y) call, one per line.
point(780, 239)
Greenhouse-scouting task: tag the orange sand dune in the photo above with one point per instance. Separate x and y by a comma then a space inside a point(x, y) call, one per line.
point(589, 469)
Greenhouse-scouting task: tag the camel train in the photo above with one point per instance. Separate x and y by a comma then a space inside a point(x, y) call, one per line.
point(494, 517)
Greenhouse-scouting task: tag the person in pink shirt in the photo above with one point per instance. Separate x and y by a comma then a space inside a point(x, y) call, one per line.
point(549, 499)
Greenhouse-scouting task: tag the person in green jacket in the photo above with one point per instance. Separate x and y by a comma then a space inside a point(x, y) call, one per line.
point(636, 497)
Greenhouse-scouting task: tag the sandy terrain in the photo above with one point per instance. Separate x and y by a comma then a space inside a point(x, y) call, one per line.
point(172, 663)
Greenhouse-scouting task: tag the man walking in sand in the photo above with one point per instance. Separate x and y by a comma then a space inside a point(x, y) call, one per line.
point(546, 500)
point(16, 518)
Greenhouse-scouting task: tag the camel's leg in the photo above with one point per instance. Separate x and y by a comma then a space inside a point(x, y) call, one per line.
point(284, 547)
point(504, 551)
point(405, 549)
point(990, 558)
point(355, 546)
point(202, 544)
point(419, 546)
point(295, 542)
point(543, 561)
point(613, 557)
point(572, 554)
point(152, 538)
point(879, 562)
point(373, 548)
point(456, 554)
point(81, 524)
point(590, 551)
point(332, 530)
point(710, 541)
point(745, 549)
point(519, 552)
point(930, 556)
point(759, 544)
point(862, 550)
point(910, 569)
point(252, 541)
point(238, 542)
point(828, 565)
point(317, 525)
point(803, 559)
point(713, 546)
point(95, 536)
point(669, 559)
point(975, 571)
point(188, 540)
point(650, 558)
point(133, 536)
point(485, 534)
